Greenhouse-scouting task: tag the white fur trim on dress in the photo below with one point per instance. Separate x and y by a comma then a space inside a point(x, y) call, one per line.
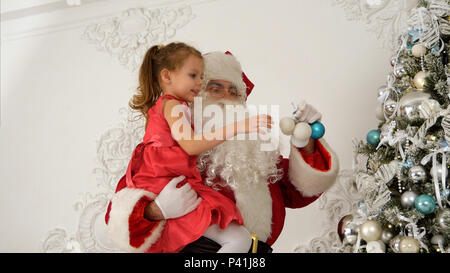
point(122, 205)
point(307, 180)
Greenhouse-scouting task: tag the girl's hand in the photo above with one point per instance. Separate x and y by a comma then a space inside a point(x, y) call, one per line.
point(254, 124)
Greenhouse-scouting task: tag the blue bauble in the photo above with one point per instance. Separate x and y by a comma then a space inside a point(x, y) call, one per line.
point(425, 204)
point(318, 130)
point(373, 137)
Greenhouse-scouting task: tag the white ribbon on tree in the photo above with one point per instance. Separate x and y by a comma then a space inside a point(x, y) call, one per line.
point(433, 156)
point(412, 230)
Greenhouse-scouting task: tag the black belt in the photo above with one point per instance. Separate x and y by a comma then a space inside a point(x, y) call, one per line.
point(206, 245)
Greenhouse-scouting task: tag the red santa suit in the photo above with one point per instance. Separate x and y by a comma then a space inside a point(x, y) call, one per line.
point(263, 206)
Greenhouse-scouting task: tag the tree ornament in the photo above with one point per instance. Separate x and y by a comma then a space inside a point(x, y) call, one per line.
point(438, 240)
point(347, 234)
point(419, 79)
point(375, 247)
point(425, 204)
point(417, 174)
point(409, 105)
point(318, 130)
point(443, 219)
point(386, 236)
point(409, 245)
point(418, 50)
point(373, 137)
point(438, 171)
point(407, 199)
point(389, 107)
point(395, 61)
point(287, 125)
point(394, 244)
point(302, 133)
point(370, 231)
point(399, 71)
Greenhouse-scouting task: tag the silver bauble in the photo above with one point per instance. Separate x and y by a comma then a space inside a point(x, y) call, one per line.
point(370, 231)
point(429, 108)
point(386, 236)
point(347, 234)
point(437, 240)
point(407, 199)
point(394, 61)
point(443, 219)
point(417, 174)
point(409, 245)
point(394, 244)
point(399, 71)
point(389, 107)
point(409, 105)
point(439, 171)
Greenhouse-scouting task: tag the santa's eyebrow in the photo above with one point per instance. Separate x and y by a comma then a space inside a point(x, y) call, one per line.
point(215, 83)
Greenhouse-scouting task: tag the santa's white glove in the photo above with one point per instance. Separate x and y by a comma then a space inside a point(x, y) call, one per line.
point(307, 113)
point(176, 202)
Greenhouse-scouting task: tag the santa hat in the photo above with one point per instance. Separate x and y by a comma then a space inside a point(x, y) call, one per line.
point(224, 66)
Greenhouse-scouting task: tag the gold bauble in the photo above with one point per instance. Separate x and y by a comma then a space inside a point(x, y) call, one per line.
point(419, 79)
point(409, 245)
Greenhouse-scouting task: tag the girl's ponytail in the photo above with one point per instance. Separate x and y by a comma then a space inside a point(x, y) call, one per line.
point(148, 89)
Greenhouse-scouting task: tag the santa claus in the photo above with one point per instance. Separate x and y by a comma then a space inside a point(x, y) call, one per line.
point(261, 183)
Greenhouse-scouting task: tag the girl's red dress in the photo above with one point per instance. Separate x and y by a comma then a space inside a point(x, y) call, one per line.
point(157, 160)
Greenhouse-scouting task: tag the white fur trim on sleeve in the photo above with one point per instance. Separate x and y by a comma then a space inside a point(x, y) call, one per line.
point(122, 205)
point(306, 179)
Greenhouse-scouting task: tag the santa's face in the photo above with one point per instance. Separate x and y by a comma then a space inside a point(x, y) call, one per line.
point(228, 159)
point(219, 89)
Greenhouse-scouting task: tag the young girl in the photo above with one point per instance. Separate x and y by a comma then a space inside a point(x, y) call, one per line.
point(170, 77)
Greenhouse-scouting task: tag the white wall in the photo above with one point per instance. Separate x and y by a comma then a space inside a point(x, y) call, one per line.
point(59, 94)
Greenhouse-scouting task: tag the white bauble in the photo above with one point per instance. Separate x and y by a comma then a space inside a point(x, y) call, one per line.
point(418, 50)
point(302, 133)
point(376, 247)
point(287, 125)
point(370, 231)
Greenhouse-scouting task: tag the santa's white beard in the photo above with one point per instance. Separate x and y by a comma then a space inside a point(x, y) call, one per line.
point(239, 163)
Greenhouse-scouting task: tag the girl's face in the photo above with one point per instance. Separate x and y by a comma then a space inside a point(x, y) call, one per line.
point(186, 81)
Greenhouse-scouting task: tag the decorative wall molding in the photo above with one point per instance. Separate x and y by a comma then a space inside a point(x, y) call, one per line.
point(129, 35)
point(59, 16)
point(387, 19)
point(114, 149)
point(339, 201)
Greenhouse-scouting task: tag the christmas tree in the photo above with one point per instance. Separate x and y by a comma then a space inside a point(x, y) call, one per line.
point(401, 168)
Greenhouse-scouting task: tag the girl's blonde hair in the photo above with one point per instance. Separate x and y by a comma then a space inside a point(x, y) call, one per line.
point(157, 58)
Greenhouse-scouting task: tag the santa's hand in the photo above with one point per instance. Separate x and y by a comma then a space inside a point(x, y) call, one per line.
point(176, 202)
point(307, 113)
